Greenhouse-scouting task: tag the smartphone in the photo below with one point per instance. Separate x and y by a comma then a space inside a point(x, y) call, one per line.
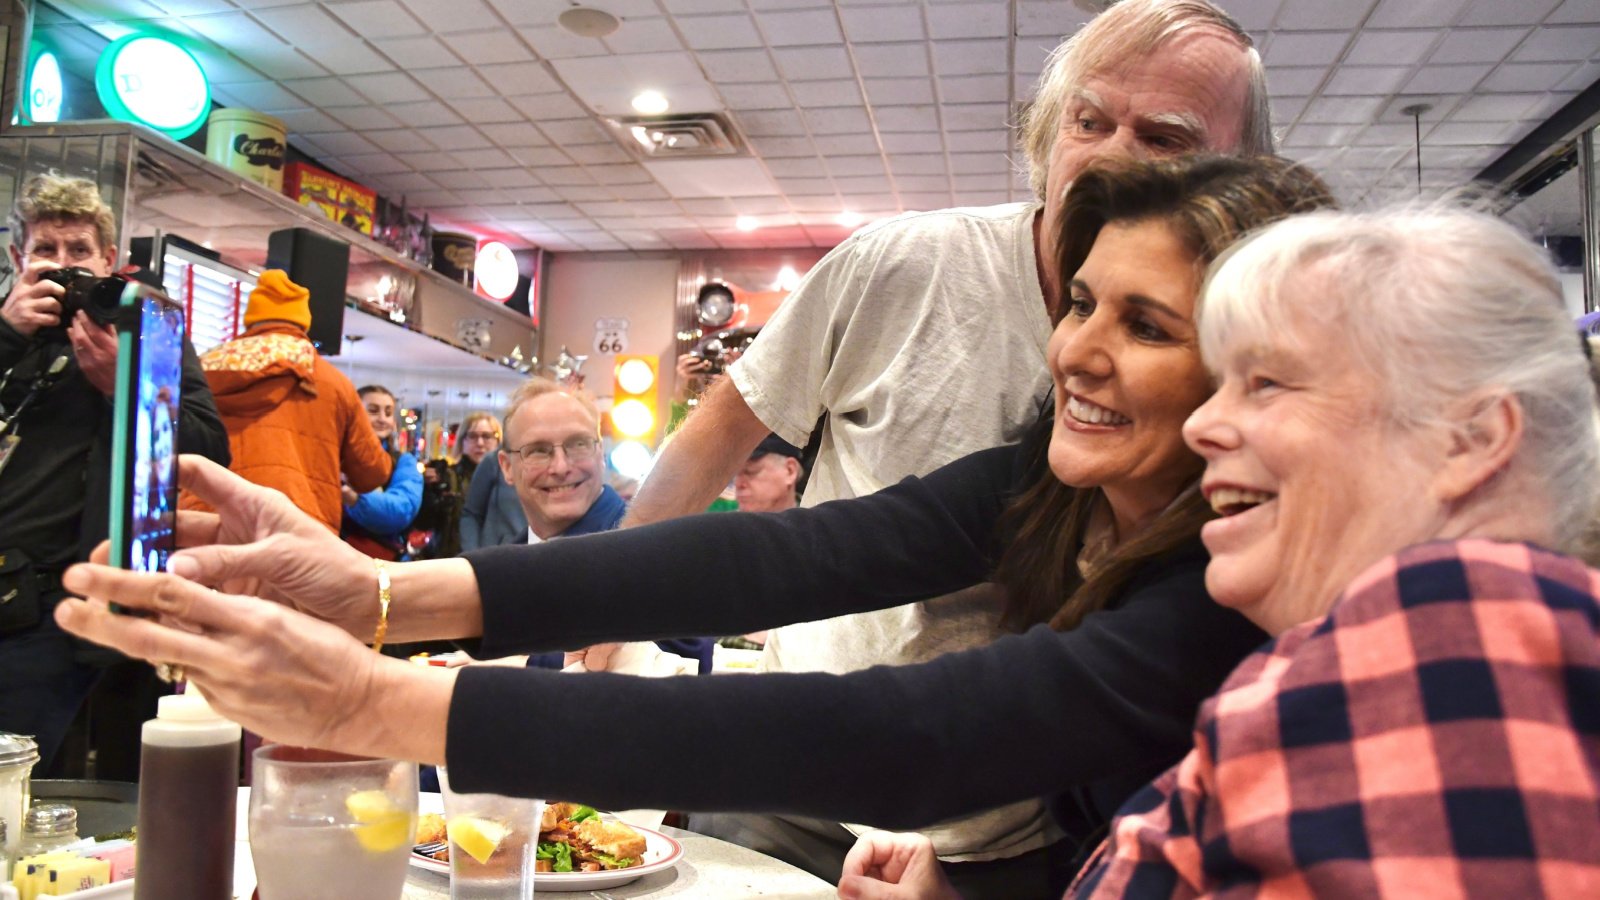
point(144, 444)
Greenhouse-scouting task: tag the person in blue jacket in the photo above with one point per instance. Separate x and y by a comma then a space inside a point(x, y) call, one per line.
point(491, 515)
point(376, 522)
point(554, 464)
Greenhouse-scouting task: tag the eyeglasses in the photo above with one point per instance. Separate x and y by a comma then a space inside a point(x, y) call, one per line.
point(540, 455)
point(482, 436)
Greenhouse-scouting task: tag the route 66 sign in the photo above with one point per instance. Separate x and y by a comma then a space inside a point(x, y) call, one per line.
point(610, 336)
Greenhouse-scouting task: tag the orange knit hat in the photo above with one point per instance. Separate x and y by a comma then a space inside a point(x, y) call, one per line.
point(279, 299)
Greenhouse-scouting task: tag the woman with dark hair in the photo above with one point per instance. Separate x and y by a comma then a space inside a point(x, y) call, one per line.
point(1100, 552)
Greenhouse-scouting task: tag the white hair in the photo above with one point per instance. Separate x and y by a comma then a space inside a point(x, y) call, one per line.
point(1133, 29)
point(1437, 303)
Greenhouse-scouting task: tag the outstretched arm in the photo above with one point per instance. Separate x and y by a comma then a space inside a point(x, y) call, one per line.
point(701, 458)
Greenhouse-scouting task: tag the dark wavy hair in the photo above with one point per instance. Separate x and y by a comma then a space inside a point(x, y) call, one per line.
point(1209, 202)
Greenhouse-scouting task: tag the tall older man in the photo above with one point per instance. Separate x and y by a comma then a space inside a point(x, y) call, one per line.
point(55, 465)
point(922, 338)
point(553, 457)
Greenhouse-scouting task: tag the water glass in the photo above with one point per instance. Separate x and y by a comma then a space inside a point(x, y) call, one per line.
point(324, 824)
point(492, 843)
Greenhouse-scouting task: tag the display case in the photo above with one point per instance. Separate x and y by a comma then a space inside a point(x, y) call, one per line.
point(158, 186)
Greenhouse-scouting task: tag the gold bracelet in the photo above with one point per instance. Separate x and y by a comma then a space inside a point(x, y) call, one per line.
point(383, 605)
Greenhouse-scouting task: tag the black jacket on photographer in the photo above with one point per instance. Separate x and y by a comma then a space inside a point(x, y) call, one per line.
point(55, 488)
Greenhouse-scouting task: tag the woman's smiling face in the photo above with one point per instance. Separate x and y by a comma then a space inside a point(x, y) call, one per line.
point(1127, 370)
point(1312, 477)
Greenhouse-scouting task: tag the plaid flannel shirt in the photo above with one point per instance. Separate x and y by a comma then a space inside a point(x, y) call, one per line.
point(1436, 735)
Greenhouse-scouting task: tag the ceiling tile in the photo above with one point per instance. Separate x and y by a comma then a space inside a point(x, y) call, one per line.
point(1499, 108)
point(388, 87)
point(738, 65)
point(417, 53)
point(378, 19)
point(1446, 79)
point(971, 19)
point(514, 134)
point(301, 121)
point(549, 106)
point(308, 26)
point(485, 159)
point(994, 141)
point(457, 15)
point(918, 164)
point(1568, 43)
point(485, 110)
point(364, 118)
point(845, 144)
point(772, 123)
point(814, 27)
point(539, 157)
point(1305, 48)
point(883, 23)
point(1514, 77)
point(1476, 45)
point(266, 96)
point(574, 132)
point(520, 78)
point(1474, 133)
point(644, 36)
point(427, 112)
point(839, 92)
point(498, 46)
point(1341, 110)
point(813, 63)
point(899, 91)
point(454, 138)
point(973, 88)
point(798, 167)
point(1415, 13)
point(1295, 82)
point(908, 118)
point(1383, 48)
point(1366, 80)
point(805, 186)
point(969, 57)
point(784, 146)
point(892, 60)
point(460, 179)
point(760, 95)
point(1575, 12)
point(719, 32)
point(1253, 15)
point(838, 120)
point(555, 42)
point(1500, 12)
point(1311, 15)
point(454, 84)
point(1580, 78)
point(353, 59)
point(974, 116)
point(323, 91)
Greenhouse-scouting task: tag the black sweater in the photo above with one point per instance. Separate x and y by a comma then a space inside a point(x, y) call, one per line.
point(1084, 717)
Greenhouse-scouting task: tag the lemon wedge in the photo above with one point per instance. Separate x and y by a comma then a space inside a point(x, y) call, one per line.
point(383, 826)
point(478, 837)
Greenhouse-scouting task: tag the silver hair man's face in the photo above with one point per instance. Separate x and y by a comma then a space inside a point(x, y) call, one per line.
point(1186, 97)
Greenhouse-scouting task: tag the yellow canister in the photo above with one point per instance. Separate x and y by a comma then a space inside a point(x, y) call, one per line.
point(249, 143)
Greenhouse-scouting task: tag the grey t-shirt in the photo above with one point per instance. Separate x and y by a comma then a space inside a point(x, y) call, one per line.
point(923, 339)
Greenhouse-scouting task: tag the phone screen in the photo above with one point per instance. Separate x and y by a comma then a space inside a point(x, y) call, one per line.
point(144, 493)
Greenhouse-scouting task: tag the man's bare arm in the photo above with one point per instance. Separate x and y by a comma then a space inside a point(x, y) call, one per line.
point(703, 455)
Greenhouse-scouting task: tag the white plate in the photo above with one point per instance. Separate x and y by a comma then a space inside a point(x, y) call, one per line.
point(660, 853)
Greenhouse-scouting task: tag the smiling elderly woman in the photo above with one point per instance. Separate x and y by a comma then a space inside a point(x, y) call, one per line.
point(1402, 444)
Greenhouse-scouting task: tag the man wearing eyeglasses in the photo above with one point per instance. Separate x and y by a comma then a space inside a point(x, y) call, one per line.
point(553, 457)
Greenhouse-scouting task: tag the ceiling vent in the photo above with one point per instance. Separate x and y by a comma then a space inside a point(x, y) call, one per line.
point(686, 136)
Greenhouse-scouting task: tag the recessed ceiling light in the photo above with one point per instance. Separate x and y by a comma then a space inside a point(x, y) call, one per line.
point(746, 223)
point(590, 23)
point(650, 103)
point(850, 218)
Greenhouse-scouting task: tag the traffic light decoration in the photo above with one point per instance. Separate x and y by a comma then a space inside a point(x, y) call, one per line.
point(636, 384)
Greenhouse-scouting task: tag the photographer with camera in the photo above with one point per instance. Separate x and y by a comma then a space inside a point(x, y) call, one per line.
point(58, 353)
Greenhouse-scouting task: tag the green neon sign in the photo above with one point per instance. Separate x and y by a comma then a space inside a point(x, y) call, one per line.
point(152, 81)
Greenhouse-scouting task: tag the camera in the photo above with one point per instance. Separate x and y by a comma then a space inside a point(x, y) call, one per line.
point(721, 349)
point(100, 297)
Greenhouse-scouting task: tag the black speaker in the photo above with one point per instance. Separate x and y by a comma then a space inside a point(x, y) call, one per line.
point(321, 265)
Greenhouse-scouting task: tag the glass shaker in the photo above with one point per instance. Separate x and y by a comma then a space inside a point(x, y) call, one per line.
point(50, 826)
point(18, 753)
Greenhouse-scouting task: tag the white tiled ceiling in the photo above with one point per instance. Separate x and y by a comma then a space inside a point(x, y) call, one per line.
point(486, 112)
